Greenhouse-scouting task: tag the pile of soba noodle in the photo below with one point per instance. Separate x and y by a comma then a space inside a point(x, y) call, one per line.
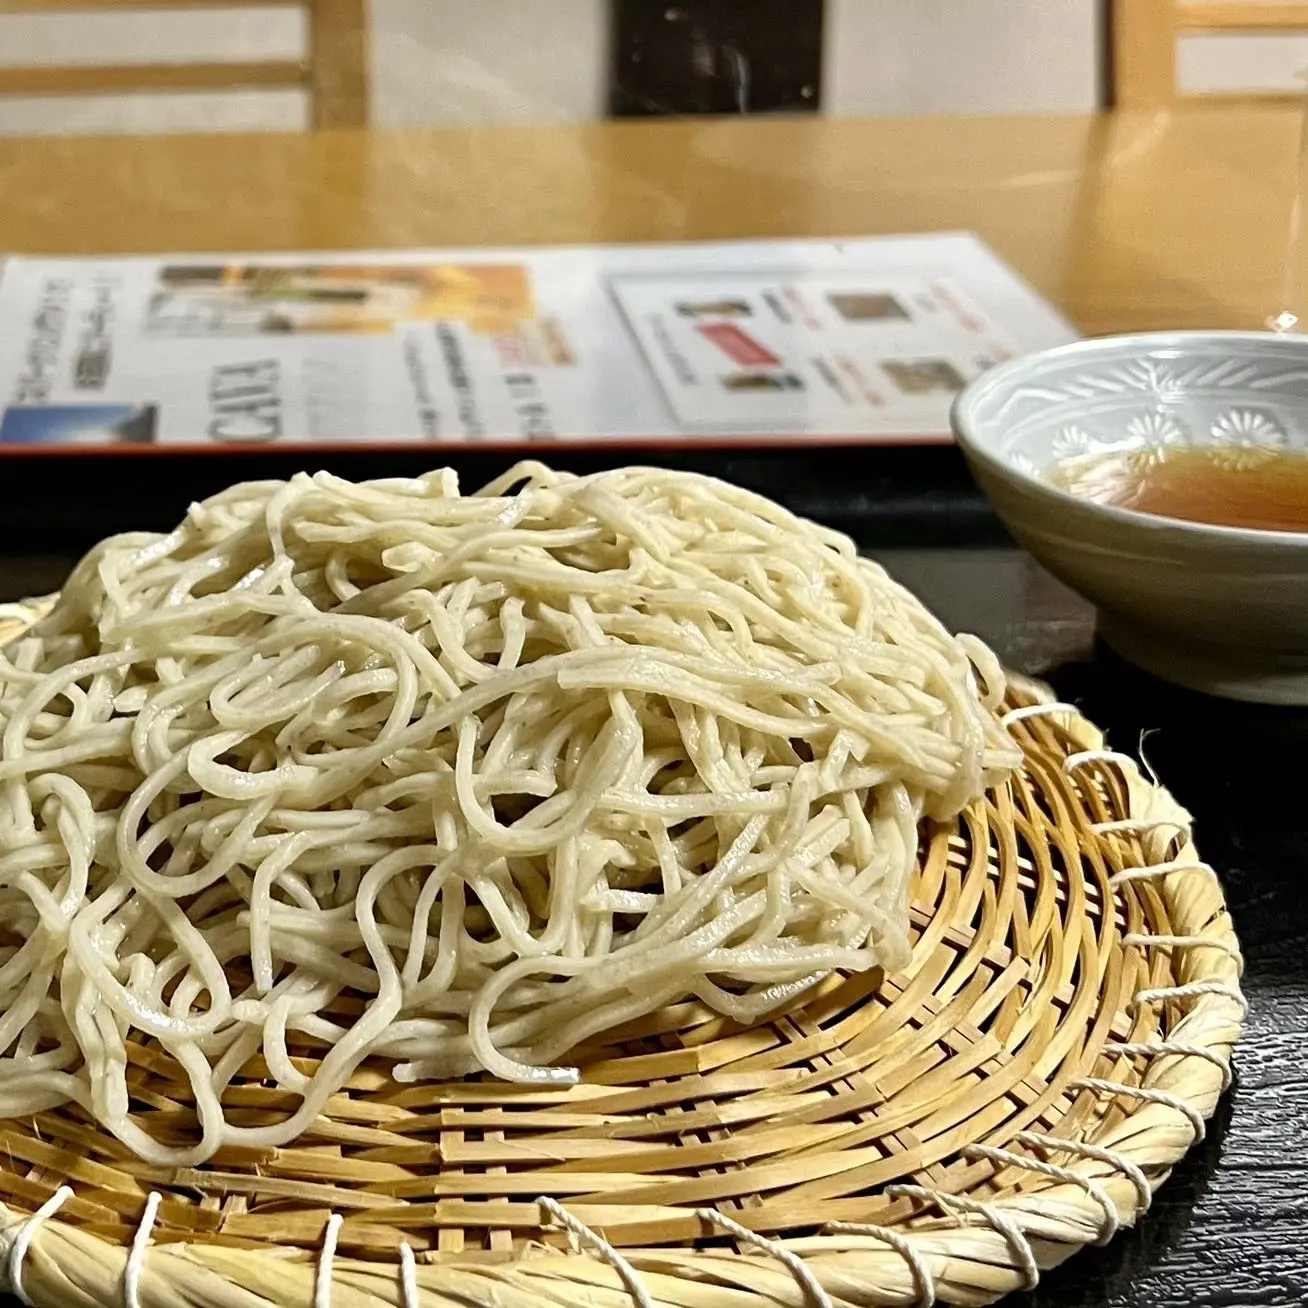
point(505, 770)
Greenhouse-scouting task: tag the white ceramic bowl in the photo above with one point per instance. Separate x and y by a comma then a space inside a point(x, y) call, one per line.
point(1218, 609)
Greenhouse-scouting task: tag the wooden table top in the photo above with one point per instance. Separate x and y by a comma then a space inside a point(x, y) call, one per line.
point(1126, 221)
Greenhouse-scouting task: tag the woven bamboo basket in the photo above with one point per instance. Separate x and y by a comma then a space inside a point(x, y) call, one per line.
point(941, 1136)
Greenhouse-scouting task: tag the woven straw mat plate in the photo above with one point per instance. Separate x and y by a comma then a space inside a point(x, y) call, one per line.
point(1019, 1091)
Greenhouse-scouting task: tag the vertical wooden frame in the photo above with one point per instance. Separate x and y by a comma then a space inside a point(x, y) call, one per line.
point(1144, 52)
point(338, 62)
point(335, 70)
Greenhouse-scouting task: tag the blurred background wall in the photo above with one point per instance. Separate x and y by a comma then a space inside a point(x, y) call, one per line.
point(525, 61)
point(440, 62)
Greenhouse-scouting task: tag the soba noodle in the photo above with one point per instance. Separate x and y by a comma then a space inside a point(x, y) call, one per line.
point(458, 781)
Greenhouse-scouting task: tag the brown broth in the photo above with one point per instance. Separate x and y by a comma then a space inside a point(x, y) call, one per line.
point(1227, 486)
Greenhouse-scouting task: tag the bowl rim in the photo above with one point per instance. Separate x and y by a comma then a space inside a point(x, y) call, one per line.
point(980, 388)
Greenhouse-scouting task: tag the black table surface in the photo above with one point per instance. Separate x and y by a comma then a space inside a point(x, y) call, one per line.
point(1230, 1228)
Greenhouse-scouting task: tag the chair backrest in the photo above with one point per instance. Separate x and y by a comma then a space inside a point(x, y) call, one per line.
point(1146, 34)
point(333, 70)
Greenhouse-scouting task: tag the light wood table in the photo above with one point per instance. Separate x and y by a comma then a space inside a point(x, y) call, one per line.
point(1127, 221)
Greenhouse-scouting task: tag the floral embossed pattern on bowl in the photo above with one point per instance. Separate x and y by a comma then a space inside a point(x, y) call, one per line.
point(1254, 398)
point(1219, 609)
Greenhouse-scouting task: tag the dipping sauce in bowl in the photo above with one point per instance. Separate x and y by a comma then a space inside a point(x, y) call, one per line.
point(1225, 486)
point(1165, 477)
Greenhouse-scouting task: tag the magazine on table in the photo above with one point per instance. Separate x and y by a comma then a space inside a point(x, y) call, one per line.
point(864, 340)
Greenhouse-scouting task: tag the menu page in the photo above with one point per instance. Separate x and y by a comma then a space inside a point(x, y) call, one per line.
point(865, 340)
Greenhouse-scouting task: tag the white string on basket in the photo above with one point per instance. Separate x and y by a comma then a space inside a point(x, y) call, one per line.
point(923, 1281)
point(24, 1237)
point(1036, 711)
point(994, 1216)
point(798, 1268)
point(409, 1276)
point(1150, 940)
point(322, 1291)
point(578, 1229)
point(1160, 939)
point(1191, 990)
point(1158, 871)
point(1139, 826)
point(1181, 1048)
point(1083, 1148)
point(1150, 771)
point(1104, 1086)
point(136, 1254)
point(1158, 994)
point(1111, 1222)
point(1085, 756)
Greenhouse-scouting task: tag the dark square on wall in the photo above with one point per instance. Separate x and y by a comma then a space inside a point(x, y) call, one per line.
point(716, 57)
